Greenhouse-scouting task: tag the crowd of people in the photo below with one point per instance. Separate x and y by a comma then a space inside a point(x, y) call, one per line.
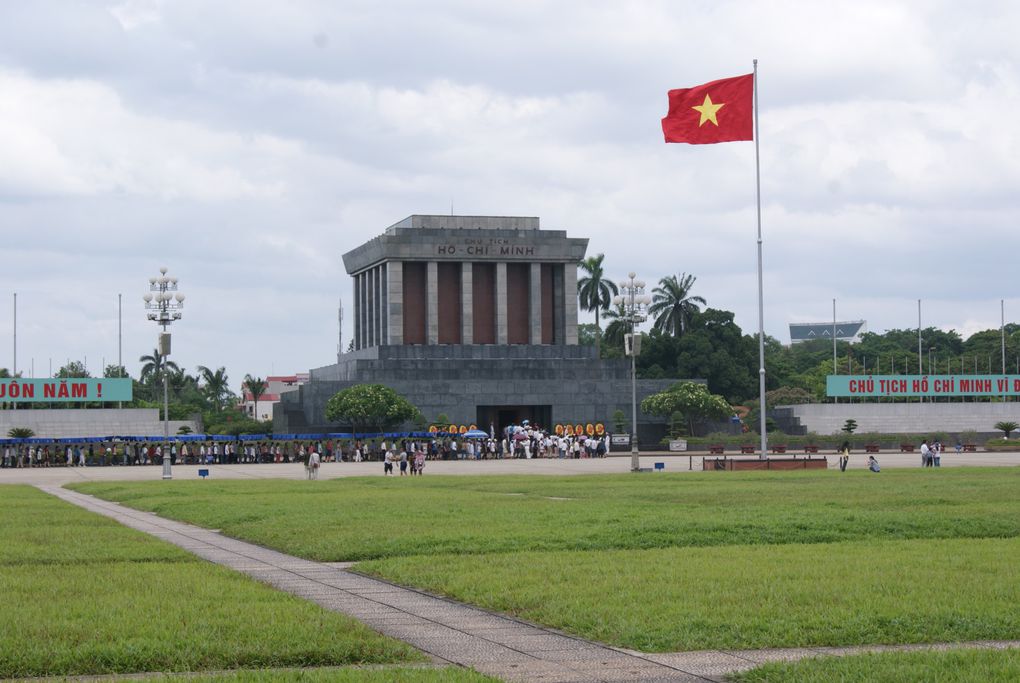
point(518, 441)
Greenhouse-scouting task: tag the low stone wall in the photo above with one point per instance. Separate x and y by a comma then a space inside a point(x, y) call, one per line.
point(904, 418)
point(58, 423)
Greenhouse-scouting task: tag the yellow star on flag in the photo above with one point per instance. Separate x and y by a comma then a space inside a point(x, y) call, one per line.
point(707, 110)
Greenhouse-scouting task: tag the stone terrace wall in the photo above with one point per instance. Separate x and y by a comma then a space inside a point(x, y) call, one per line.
point(917, 418)
point(79, 422)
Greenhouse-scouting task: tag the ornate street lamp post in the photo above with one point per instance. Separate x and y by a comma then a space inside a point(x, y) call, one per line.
point(635, 305)
point(164, 304)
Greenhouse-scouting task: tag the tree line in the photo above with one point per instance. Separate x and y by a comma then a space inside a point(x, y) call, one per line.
point(689, 340)
point(205, 395)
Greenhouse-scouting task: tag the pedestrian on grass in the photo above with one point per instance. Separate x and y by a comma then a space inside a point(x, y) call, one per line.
point(873, 464)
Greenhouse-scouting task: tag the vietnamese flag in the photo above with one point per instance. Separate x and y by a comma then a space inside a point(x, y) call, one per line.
point(720, 111)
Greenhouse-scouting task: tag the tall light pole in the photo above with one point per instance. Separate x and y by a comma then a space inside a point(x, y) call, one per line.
point(835, 371)
point(164, 307)
point(635, 303)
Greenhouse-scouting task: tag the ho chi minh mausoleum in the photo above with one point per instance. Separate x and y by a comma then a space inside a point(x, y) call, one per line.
point(474, 317)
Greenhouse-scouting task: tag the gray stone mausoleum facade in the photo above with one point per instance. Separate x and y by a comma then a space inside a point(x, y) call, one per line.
point(474, 317)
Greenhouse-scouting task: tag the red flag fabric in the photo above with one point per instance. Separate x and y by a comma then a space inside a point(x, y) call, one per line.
point(720, 111)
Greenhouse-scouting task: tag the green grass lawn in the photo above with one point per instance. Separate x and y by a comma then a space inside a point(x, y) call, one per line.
point(81, 594)
point(955, 666)
point(744, 597)
point(379, 517)
point(662, 562)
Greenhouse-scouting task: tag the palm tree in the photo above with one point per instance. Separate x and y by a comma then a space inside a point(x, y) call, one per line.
point(256, 386)
point(672, 304)
point(619, 326)
point(181, 381)
point(215, 385)
point(152, 368)
point(595, 293)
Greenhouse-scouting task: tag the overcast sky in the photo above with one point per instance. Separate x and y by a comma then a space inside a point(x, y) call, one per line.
point(247, 145)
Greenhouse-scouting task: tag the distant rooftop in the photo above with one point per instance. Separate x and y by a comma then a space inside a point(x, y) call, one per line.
point(849, 330)
point(467, 223)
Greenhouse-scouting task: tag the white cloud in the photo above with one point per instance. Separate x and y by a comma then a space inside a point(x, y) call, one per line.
point(248, 146)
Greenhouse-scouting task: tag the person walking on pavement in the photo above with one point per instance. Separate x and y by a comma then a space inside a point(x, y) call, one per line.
point(313, 464)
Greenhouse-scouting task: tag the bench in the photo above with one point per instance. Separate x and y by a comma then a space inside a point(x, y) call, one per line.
point(716, 449)
point(781, 448)
point(871, 448)
point(970, 448)
point(747, 449)
point(906, 448)
point(811, 449)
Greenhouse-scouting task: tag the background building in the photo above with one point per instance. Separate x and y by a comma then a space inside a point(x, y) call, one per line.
point(276, 386)
point(848, 331)
point(474, 317)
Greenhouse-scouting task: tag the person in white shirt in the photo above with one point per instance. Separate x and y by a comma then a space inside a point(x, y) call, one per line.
point(926, 457)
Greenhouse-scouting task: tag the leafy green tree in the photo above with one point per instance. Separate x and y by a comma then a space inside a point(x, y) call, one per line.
point(713, 349)
point(256, 386)
point(694, 401)
point(370, 405)
point(587, 335)
point(850, 426)
point(114, 371)
point(74, 368)
point(673, 305)
point(595, 292)
point(788, 396)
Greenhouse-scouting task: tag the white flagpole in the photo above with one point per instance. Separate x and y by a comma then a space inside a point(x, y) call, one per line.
point(761, 297)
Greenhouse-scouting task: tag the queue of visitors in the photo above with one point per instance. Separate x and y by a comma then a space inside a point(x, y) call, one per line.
point(524, 441)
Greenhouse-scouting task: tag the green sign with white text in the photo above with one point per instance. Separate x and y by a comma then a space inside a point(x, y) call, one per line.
point(922, 385)
point(52, 390)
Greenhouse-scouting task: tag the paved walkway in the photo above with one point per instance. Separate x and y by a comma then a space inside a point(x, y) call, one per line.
point(553, 466)
point(451, 632)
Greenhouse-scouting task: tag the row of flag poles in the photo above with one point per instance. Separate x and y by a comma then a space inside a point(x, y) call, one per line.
point(725, 111)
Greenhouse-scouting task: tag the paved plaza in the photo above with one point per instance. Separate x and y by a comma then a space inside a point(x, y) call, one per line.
point(552, 466)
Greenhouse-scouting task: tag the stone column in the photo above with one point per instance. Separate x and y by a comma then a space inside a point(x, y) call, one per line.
point(384, 297)
point(377, 308)
point(432, 300)
point(501, 304)
point(570, 303)
point(372, 301)
point(395, 302)
point(559, 310)
point(535, 304)
point(467, 312)
point(363, 304)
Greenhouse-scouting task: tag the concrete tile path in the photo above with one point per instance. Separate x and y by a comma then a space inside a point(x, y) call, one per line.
point(674, 463)
point(448, 631)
